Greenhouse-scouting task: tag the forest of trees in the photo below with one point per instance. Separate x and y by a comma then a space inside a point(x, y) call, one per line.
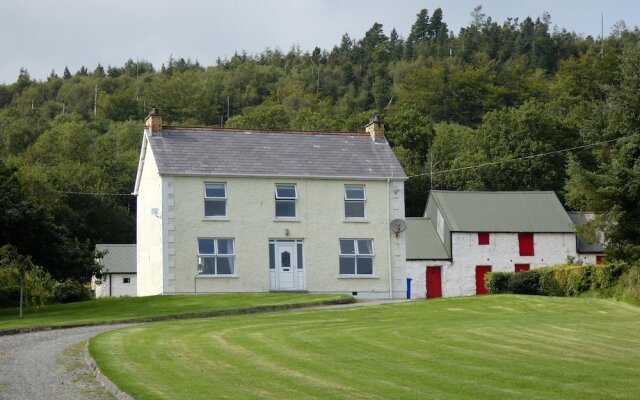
point(459, 109)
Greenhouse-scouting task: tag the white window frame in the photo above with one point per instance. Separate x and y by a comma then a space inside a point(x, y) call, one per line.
point(288, 199)
point(362, 201)
point(216, 199)
point(357, 255)
point(215, 255)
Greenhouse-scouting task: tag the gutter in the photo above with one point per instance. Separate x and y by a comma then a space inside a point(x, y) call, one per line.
point(281, 176)
point(389, 242)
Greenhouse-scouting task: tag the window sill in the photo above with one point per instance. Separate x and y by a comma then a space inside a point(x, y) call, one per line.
point(216, 276)
point(356, 220)
point(358, 277)
point(216, 219)
point(285, 219)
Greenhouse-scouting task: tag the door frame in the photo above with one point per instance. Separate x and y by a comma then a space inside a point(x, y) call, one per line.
point(297, 265)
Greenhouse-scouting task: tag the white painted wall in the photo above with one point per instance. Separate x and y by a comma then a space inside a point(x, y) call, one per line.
point(115, 283)
point(251, 221)
point(458, 277)
point(149, 249)
point(586, 258)
point(417, 271)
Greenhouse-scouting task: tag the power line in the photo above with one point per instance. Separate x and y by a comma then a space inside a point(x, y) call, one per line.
point(522, 158)
point(96, 193)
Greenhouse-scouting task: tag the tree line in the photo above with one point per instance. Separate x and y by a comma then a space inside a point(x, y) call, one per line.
point(463, 111)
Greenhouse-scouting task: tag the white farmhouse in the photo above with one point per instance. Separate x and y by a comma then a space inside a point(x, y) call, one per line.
point(234, 210)
point(464, 235)
point(118, 266)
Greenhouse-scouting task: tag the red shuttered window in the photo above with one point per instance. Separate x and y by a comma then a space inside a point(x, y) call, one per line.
point(525, 241)
point(483, 238)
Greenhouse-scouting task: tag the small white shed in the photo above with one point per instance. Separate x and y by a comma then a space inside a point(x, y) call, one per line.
point(118, 271)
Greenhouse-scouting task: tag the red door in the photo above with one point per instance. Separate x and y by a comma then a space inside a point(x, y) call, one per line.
point(522, 267)
point(481, 270)
point(434, 282)
point(599, 259)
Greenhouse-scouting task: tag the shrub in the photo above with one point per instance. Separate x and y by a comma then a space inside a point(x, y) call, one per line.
point(549, 283)
point(629, 285)
point(69, 291)
point(578, 279)
point(606, 276)
point(569, 280)
point(9, 287)
point(39, 287)
point(527, 282)
point(497, 282)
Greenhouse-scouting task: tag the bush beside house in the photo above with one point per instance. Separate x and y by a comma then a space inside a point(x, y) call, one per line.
point(612, 280)
point(40, 288)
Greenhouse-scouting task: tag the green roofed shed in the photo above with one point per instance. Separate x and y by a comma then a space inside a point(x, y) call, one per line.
point(539, 212)
point(119, 258)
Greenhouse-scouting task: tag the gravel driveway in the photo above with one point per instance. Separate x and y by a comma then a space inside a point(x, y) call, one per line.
point(49, 365)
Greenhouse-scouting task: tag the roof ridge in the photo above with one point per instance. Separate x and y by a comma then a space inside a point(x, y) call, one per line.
point(492, 192)
point(245, 130)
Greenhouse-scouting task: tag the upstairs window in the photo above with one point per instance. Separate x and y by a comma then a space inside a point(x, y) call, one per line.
point(215, 256)
point(525, 242)
point(286, 196)
point(356, 257)
point(483, 238)
point(354, 199)
point(215, 200)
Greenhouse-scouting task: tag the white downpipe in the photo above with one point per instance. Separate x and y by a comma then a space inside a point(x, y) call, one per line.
point(389, 241)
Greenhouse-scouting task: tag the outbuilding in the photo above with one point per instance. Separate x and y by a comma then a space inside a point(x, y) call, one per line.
point(118, 271)
point(464, 235)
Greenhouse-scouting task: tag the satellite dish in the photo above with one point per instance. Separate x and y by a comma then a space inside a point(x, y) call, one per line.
point(397, 226)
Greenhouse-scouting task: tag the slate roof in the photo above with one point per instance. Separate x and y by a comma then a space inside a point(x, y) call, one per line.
point(584, 246)
point(503, 211)
point(120, 258)
point(235, 152)
point(423, 242)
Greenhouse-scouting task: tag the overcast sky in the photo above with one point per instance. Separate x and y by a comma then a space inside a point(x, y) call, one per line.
point(42, 35)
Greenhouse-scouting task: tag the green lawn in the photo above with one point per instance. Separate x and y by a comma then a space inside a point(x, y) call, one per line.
point(488, 347)
point(137, 308)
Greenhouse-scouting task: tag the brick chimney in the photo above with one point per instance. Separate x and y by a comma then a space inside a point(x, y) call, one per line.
point(375, 128)
point(153, 122)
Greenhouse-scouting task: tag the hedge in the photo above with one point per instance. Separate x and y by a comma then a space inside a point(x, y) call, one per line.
point(565, 280)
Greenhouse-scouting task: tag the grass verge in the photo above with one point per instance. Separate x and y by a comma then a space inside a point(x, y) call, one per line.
point(488, 347)
point(154, 308)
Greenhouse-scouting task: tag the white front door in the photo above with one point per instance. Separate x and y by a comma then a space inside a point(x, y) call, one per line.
point(286, 265)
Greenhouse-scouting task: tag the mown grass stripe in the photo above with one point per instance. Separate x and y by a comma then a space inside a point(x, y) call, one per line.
point(543, 348)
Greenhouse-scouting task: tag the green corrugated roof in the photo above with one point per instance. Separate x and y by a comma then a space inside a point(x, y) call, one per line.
point(423, 242)
point(502, 211)
point(120, 258)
